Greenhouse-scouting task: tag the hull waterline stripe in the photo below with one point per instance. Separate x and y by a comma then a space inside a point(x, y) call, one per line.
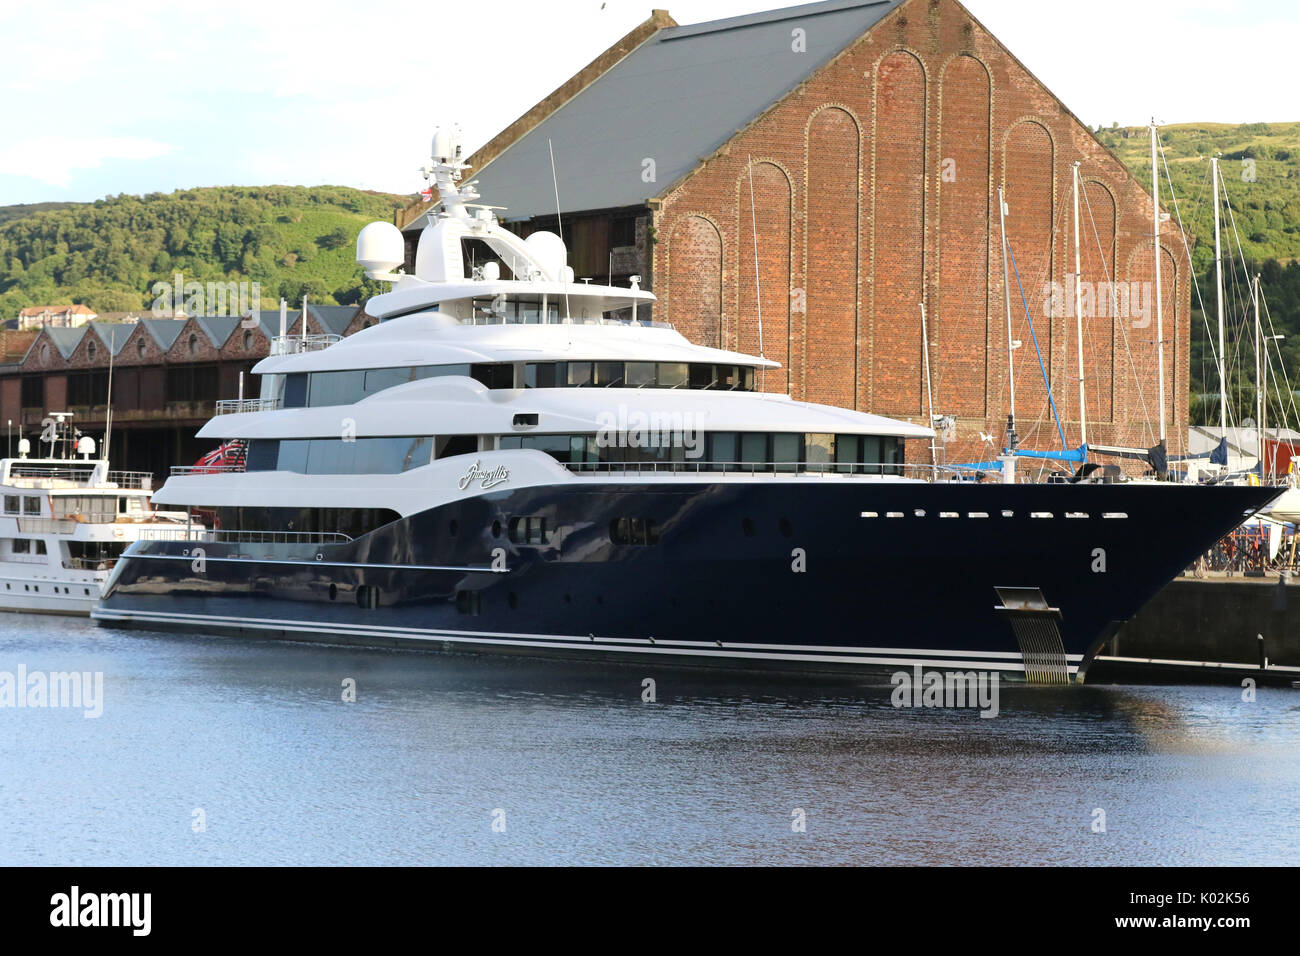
point(866, 656)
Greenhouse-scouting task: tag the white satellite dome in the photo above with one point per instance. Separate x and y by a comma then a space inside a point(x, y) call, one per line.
point(85, 446)
point(380, 248)
point(550, 252)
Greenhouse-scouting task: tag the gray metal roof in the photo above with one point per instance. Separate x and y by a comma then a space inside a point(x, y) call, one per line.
point(675, 99)
point(164, 331)
point(333, 318)
point(113, 334)
point(218, 328)
point(268, 320)
point(65, 340)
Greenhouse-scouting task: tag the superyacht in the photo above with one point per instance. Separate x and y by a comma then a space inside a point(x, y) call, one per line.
point(512, 460)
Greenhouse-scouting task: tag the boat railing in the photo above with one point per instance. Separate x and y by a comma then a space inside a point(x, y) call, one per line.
point(49, 525)
point(142, 480)
point(491, 319)
point(89, 564)
point(234, 536)
point(207, 469)
point(50, 475)
point(780, 469)
point(297, 344)
point(237, 406)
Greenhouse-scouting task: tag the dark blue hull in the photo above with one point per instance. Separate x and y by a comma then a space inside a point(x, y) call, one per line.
point(723, 581)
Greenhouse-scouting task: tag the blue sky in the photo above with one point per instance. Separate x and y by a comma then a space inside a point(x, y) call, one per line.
point(147, 96)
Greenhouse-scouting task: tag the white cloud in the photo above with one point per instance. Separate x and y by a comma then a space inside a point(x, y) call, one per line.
point(53, 159)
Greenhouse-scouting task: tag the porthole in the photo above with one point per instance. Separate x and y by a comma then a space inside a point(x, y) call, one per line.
point(747, 526)
point(512, 600)
point(334, 592)
point(496, 529)
point(368, 597)
point(453, 527)
point(785, 527)
point(568, 599)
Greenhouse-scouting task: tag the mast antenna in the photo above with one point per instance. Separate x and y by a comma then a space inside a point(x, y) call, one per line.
point(1155, 259)
point(108, 428)
point(1078, 309)
point(555, 182)
point(1218, 288)
point(1012, 438)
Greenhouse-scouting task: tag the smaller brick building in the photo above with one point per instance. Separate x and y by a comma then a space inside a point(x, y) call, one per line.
point(167, 377)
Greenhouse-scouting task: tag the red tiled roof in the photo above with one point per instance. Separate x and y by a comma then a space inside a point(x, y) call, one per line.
point(56, 310)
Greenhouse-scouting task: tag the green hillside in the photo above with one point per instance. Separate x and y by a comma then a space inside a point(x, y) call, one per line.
point(292, 240)
point(1260, 167)
point(23, 210)
point(1264, 191)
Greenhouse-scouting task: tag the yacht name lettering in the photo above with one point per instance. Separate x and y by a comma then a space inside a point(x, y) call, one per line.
point(486, 479)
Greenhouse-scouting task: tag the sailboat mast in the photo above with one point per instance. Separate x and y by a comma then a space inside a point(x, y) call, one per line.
point(1218, 290)
point(1006, 288)
point(1260, 366)
point(1078, 311)
point(929, 395)
point(1155, 258)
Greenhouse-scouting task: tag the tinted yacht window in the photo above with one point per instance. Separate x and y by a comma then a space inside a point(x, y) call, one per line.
point(364, 456)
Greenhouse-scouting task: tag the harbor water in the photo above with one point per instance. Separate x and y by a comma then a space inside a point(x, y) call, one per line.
point(224, 751)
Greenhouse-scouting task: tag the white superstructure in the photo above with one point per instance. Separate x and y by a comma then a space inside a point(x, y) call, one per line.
point(492, 352)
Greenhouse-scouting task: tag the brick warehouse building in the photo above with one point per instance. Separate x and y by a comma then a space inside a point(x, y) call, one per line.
point(167, 377)
point(877, 134)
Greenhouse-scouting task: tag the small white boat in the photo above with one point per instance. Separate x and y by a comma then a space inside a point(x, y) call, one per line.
point(64, 521)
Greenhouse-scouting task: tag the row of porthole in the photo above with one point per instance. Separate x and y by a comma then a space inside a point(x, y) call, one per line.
point(920, 513)
point(37, 588)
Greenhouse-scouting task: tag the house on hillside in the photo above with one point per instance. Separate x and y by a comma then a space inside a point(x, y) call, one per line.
point(57, 316)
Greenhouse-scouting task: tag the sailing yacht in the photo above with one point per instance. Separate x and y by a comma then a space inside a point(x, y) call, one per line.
point(511, 460)
point(66, 521)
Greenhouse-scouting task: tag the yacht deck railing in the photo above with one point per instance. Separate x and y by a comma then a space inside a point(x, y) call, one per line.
point(781, 469)
point(297, 344)
point(237, 406)
point(219, 536)
point(142, 480)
